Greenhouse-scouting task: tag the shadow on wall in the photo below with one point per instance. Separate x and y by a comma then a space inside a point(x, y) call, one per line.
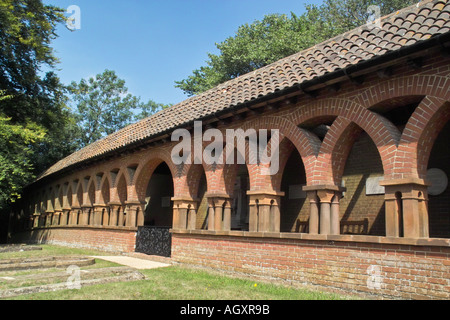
point(439, 205)
point(363, 162)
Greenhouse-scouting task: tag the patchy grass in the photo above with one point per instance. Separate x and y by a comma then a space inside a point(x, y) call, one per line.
point(172, 283)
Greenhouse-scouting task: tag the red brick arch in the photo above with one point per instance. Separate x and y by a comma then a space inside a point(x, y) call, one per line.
point(306, 143)
point(383, 133)
point(119, 191)
point(418, 85)
point(144, 172)
point(410, 159)
point(285, 150)
point(104, 189)
point(89, 194)
point(330, 163)
point(418, 137)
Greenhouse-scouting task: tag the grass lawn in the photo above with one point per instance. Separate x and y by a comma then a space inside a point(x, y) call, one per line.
point(169, 283)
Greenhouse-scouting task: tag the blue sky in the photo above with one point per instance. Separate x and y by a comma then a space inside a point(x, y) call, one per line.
point(153, 43)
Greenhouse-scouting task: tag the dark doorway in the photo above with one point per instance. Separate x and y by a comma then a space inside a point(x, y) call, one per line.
point(154, 237)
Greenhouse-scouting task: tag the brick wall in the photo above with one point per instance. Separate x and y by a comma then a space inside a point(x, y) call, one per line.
point(82, 237)
point(363, 162)
point(439, 205)
point(391, 270)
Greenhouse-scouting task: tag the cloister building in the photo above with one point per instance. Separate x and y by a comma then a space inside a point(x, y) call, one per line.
point(360, 201)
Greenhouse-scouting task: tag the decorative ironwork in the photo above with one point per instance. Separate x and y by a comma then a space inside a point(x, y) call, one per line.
point(154, 240)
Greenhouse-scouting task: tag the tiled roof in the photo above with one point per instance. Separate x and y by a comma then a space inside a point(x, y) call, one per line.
point(400, 29)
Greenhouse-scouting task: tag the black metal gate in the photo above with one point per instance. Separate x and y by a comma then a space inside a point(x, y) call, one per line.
point(154, 240)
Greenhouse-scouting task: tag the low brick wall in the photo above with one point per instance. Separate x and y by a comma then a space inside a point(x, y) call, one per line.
point(386, 269)
point(100, 238)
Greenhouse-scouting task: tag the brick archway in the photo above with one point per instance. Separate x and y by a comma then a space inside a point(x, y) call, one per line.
point(382, 132)
point(335, 148)
point(418, 137)
point(411, 157)
point(145, 170)
point(306, 143)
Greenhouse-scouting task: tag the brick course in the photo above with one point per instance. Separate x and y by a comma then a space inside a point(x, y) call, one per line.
point(112, 240)
point(390, 270)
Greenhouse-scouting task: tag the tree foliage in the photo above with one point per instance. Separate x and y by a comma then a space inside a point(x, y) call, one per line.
point(27, 28)
point(104, 105)
point(31, 102)
point(15, 157)
point(277, 36)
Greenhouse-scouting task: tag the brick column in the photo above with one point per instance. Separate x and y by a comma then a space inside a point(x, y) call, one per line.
point(184, 213)
point(325, 197)
point(122, 215)
point(406, 204)
point(114, 213)
point(64, 221)
point(210, 214)
point(48, 218)
point(99, 217)
point(313, 211)
point(335, 221)
point(74, 215)
point(133, 209)
point(35, 220)
point(324, 220)
point(264, 210)
point(219, 212)
point(57, 217)
point(86, 216)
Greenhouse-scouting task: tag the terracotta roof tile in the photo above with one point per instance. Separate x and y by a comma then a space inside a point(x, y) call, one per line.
point(403, 28)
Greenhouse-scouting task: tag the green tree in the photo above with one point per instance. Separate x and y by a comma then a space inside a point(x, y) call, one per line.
point(277, 36)
point(32, 109)
point(27, 28)
point(339, 16)
point(16, 167)
point(104, 105)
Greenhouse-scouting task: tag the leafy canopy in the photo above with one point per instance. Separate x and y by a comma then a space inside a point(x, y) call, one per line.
point(104, 105)
point(31, 103)
point(277, 36)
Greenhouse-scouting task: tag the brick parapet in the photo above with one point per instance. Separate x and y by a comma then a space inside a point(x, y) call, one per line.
point(392, 270)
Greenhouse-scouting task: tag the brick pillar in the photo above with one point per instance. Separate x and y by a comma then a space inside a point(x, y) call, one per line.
point(75, 212)
point(122, 216)
point(114, 208)
point(406, 205)
point(99, 216)
point(325, 197)
point(57, 217)
point(219, 212)
point(335, 221)
point(264, 210)
point(64, 221)
point(35, 220)
point(324, 208)
point(133, 210)
point(86, 216)
point(227, 215)
point(313, 211)
point(210, 214)
point(184, 213)
point(48, 218)
point(106, 216)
